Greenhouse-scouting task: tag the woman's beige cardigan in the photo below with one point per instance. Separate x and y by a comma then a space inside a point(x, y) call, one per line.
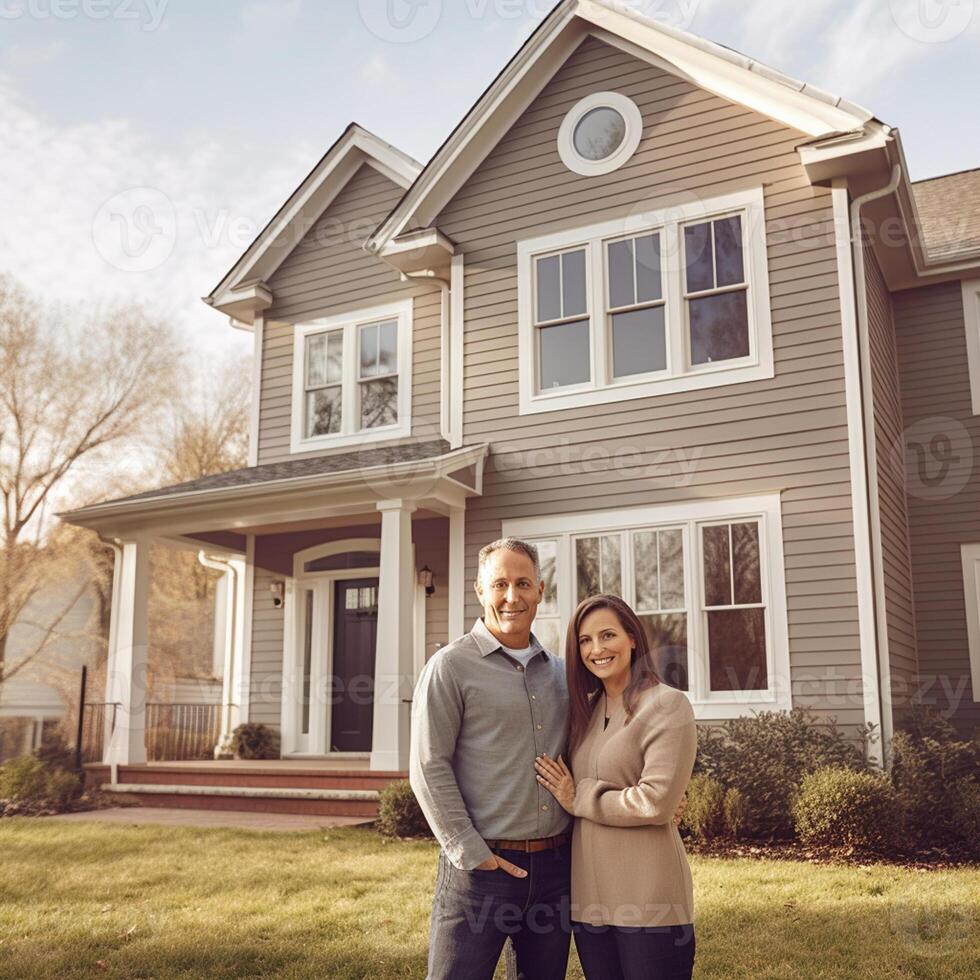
point(628, 862)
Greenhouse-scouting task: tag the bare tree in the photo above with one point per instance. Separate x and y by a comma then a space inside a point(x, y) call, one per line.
point(74, 384)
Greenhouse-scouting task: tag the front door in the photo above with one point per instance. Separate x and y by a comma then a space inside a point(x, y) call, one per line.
point(355, 630)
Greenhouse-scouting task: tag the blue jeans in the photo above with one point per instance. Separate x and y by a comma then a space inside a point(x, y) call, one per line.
point(473, 913)
point(627, 953)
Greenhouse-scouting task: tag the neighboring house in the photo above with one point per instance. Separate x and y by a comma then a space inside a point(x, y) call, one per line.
point(621, 313)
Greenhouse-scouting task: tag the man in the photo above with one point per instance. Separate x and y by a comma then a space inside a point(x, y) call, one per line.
point(485, 706)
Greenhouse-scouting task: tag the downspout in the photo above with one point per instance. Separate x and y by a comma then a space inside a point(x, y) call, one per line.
point(859, 286)
point(219, 565)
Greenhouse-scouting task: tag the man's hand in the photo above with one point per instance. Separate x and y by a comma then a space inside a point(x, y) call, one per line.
point(681, 807)
point(494, 862)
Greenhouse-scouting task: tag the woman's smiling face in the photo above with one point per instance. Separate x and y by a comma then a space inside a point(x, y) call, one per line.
point(606, 648)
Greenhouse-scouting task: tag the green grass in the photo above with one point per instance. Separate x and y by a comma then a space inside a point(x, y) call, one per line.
point(84, 900)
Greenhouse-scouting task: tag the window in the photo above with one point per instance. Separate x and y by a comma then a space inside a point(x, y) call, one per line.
point(351, 379)
point(705, 579)
point(599, 134)
point(649, 304)
point(971, 319)
point(970, 555)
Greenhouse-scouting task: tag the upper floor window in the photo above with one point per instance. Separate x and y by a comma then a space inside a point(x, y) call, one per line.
point(600, 133)
point(971, 319)
point(351, 378)
point(652, 303)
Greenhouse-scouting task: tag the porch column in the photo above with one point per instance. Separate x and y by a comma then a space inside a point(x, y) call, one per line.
point(457, 573)
point(127, 661)
point(238, 678)
point(393, 671)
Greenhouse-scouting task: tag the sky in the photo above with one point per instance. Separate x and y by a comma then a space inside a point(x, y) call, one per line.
point(144, 143)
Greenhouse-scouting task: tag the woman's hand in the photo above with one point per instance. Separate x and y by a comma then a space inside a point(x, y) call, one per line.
point(557, 779)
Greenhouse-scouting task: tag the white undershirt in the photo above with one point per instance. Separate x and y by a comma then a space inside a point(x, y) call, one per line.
point(523, 655)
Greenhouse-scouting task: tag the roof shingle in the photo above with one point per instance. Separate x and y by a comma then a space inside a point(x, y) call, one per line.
point(949, 213)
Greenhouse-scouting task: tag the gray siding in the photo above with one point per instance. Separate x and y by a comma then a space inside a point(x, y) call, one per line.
point(328, 273)
point(935, 384)
point(889, 452)
point(788, 434)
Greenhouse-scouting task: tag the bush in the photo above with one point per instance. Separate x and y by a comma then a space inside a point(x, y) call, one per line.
point(842, 808)
point(256, 741)
point(55, 752)
point(704, 817)
point(28, 781)
point(736, 811)
point(399, 813)
point(765, 757)
point(935, 773)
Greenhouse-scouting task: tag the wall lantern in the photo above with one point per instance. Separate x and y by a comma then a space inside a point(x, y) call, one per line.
point(277, 589)
point(427, 579)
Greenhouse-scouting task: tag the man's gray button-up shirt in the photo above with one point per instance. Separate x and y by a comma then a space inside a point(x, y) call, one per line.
point(479, 719)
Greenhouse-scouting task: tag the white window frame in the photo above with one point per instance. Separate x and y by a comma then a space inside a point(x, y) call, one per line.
point(691, 516)
point(669, 222)
point(971, 321)
point(632, 117)
point(350, 323)
point(970, 555)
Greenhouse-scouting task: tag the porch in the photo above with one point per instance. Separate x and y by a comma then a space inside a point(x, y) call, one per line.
point(339, 576)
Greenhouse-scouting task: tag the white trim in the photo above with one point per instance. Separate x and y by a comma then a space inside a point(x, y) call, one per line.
point(244, 692)
point(970, 557)
point(349, 323)
point(871, 684)
point(669, 220)
point(632, 119)
point(971, 321)
point(456, 361)
point(692, 514)
point(258, 338)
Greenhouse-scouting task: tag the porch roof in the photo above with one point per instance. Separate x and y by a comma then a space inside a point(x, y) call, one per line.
point(427, 471)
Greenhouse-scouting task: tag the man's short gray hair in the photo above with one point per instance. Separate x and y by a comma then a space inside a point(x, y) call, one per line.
point(510, 544)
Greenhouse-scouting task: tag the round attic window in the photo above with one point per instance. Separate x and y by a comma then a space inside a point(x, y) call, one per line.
point(600, 133)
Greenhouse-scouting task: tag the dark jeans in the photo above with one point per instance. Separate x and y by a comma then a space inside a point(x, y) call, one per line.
point(474, 912)
point(627, 953)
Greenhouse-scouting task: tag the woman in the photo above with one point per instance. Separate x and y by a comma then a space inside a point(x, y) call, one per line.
point(632, 743)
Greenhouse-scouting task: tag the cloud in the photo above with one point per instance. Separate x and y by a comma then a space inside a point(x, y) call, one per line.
point(376, 70)
point(19, 56)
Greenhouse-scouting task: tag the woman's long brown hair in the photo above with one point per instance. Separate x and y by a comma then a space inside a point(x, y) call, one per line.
point(583, 685)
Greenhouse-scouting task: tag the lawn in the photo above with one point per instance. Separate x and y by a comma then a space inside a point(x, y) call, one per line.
point(84, 900)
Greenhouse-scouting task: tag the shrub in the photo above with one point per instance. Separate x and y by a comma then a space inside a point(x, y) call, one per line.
point(705, 814)
point(399, 813)
point(966, 814)
point(736, 809)
point(254, 740)
point(766, 755)
point(935, 773)
point(27, 780)
point(838, 807)
point(54, 751)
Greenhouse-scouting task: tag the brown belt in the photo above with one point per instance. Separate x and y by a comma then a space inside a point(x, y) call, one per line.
point(529, 846)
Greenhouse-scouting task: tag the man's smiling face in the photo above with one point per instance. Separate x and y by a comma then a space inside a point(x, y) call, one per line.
point(510, 592)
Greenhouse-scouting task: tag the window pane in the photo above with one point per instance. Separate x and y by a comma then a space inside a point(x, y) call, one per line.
point(599, 133)
point(717, 568)
point(612, 564)
point(549, 289)
point(323, 412)
point(620, 259)
point(649, 281)
point(639, 342)
point(349, 559)
point(672, 569)
point(728, 251)
point(324, 358)
point(548, 557)
point(369, 350)
point(737, 650)
point(388, 348)
point(548, 632)
point(565, 354)
point(573, 283)
point(667, 638)
point(587, 567)
point(379, 403)
point(645, 570)
point(745, 552)
point(697, 255)
point(719, 327)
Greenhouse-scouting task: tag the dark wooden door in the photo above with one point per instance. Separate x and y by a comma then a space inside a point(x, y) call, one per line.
point(355, 630)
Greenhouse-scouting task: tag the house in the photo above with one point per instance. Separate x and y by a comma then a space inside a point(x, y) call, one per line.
point(678, 318)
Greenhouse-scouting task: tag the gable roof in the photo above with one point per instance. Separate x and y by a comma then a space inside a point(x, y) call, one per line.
point(949, 213)
point(242, 291)
point(711, 66)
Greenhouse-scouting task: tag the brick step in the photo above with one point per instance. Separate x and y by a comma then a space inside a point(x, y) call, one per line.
point(325, 802)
